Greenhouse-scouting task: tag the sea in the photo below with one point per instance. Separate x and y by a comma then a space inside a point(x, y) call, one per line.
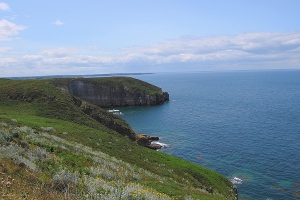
point(243, 124)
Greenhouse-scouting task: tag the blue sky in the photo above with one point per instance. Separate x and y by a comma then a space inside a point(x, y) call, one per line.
point(96, 36)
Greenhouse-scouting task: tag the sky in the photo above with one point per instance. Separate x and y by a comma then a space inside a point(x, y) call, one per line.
point(134, 36)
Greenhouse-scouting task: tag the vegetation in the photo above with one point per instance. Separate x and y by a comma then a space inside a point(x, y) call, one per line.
point(50, 148)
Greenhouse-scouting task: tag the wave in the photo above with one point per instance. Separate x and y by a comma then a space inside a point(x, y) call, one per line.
point(163, 145)
point(236, 180)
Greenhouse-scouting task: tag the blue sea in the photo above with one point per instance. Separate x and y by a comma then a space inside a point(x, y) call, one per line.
point(240, 124)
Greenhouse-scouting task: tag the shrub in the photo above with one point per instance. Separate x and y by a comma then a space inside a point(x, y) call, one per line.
point(18, 155)
point(15, 133)
point(4, 137)
point(64, 179)
point(14, 120)
point(3, 124)
point(48, 129)
point(37, 154)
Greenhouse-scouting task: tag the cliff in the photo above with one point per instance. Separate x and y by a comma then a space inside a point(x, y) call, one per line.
point(107, 119)
point(117, 91)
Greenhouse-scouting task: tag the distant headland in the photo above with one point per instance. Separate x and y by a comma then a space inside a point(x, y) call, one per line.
point(76, 76)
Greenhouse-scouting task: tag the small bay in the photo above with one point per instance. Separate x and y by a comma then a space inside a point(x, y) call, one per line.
point(240, 124)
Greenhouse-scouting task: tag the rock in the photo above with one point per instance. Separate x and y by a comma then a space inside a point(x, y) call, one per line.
point(153, 138)
point(146, 141)
point(210, 190)
point(236, 193)
point(143, 140)
point(166, 96)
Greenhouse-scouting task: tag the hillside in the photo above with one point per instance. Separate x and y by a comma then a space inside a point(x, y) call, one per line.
point(56, 145)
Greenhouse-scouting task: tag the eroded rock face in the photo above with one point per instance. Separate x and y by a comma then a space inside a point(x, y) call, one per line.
point(108, 120)
point(104, 96)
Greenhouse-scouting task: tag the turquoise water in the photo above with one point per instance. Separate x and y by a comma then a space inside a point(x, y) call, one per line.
point(241, 124)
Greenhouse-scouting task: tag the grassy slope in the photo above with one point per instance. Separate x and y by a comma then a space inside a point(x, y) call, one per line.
point(37, 103)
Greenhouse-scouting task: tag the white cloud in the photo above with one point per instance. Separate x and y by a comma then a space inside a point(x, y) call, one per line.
point(58, 22)
point(243, 51)
point(9, 29)
point(247, 42)
point(4, 49)
point(4, 6)
point(61, 52)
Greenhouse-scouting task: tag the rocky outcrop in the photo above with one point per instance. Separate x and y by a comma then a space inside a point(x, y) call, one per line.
point(107, 119)
point(146, 141)
point(108, 96)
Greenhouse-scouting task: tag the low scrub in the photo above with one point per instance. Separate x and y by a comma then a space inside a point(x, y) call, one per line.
point(75, 171)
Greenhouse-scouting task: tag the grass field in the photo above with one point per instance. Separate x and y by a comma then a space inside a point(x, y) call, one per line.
point(50, 148)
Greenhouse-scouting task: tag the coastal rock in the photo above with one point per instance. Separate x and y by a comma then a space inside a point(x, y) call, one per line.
point(146, 141)
point(235, 191)
point(153, 138)
point(143, 140)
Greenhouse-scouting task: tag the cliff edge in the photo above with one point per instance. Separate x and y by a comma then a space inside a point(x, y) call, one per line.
point(116, 91)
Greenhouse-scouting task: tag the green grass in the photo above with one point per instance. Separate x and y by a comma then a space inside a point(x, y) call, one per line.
point(78, 145)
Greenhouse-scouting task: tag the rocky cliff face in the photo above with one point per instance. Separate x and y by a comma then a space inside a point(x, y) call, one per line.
point(107, 119)
point(108, 96)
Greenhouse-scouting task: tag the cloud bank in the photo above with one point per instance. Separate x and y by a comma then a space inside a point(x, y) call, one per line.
point(245, 51)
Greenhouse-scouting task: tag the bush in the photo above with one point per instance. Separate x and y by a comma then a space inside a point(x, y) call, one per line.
point(14, 120)
point(64, 179)
point(15, 133)
point(3, 124)
point(17, 154)
point(48, 129)
point(38, 154)
point(4, 137)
